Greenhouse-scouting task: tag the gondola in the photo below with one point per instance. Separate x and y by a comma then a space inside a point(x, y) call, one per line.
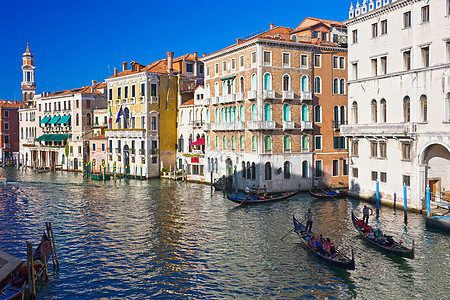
point(16, 285)
point(337, 259)
point(247, 199)
point(2, 179)
point(328, 194)
point(387, 244)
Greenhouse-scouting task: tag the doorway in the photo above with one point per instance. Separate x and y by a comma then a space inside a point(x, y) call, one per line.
point(435, 188)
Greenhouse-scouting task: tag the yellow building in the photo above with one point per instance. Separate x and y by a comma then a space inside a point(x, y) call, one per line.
point(143, 104)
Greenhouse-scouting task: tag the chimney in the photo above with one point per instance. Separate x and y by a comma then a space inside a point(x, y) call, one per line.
point(195, 55)
point(124, 66)
point(115, 72)
point(204, 54)
point(138, 67)
point(170, 62)
point(272, 26)
point(94, 82)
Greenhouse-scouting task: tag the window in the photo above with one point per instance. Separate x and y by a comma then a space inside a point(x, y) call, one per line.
point(93, 146)
point(407, 60)
point(242, 143)
point(125, 92)
point(287, 143)
point(224, 67)
point(407, 180)
point(216, 69)
point(267, 81)
point(267, 112)
point(253, 171)
point(233, 143)
point(286, 60)
point(319, 172)
point(254, 143)
point(305, 142)
point(6, 114)
point(339, 142)
point(317, 60)
point(374, 175)
point(342, 62)
point(355, 70)
point(201, 67)
point(383, 61)
point(254, 115)
point(267, 143)
point(407, 19)
point(425, 14)
point(426, 56)
point(286, 112)
point(6, 125)
point(286, 82)
point(423, 108)
point(355, 172)
point(342, 86)
point(384, 27)
point(207, 71)
point(324, 36)
point(374, 111)
point(345, 167)
point(383, 176)
point(374, 63)
point(287, 170)
point(382, 149)
point(355, 36)
point(447, 108)
point(406, 109)
point(143, 89)
point(119, 94)
point(335, 86)
point(241, 62)
point(318, 142)
point(217, 142)
point(335, 167)
point(224, 145)
point(315, 35)
point(317, 85)
point(318, 114)
point(233, 64)
point(383, 109)
point(373, 149)
point(153, 123)
point(189, 67)
point(305, 169)
point(406, 151)
point(374, 30)
point(268, 171)
point(303, 61)
point(267, 56)
point(253, 59)
point(335, 62)
point(305, 84)
point(153, 89)
point(110, 94)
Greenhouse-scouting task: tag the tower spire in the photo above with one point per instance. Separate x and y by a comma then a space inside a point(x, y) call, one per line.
point(28, 68)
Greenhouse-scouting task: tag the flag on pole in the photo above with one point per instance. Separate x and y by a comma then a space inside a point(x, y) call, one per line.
point(110, 116)
point(120, 113)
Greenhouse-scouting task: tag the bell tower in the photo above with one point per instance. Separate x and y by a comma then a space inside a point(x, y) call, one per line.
point(28, 83)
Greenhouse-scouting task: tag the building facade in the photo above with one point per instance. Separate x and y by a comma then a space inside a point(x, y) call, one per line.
point(399, 99)
point(28, 82)
point(9, 131)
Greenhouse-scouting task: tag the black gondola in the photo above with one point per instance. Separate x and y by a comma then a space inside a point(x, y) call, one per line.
point(337, 259)
point(245, 199)
point(328, 194)
point(387, 243)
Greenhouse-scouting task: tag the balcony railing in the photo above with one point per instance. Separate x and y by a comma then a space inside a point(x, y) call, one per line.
point(306, 125)
point(117, 150)
point(305, 96)
point(252, 95)
point(261, 125)
point(197, 124)
point(153, 99)
point(288, 125)
point(268, 94)
point(227, 98)
point(384, 129)
point(215, 100)
point(230, 126)
point(208, 101)
point(109, 150)
point(141, 151)
point(125, 133)
point(288, 95)
point(207, 127)
point(240, 96)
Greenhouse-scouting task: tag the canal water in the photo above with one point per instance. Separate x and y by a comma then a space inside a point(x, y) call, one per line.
point(170, 240)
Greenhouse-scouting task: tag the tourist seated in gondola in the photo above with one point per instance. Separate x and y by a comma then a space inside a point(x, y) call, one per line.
point(380, 236)
point(332, 250)
point(327, 246)
point(370, 234)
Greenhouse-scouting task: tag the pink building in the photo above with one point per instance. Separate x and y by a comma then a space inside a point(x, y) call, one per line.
point(9, 131)
point(97, 152)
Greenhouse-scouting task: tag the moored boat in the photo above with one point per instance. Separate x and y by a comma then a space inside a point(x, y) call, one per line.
point(252, 198)
point(2, 179)
point(385, 243)
point(328, 194)
point(337, 258)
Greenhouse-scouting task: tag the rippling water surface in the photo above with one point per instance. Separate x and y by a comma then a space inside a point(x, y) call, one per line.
point(160, 239)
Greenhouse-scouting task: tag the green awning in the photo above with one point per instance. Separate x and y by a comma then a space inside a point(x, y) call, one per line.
point(52, 137)
point(64, 119)
point(226, 78)
point(44, 120)
point(54, 120)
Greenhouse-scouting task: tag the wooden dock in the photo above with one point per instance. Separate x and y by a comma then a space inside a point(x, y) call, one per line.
point(8, 264)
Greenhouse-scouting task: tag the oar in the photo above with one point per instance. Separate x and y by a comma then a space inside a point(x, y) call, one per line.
point(326, 193)
point(244, 198)
point(291, 230)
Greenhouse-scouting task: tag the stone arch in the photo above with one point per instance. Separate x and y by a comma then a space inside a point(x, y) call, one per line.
point(435, 158)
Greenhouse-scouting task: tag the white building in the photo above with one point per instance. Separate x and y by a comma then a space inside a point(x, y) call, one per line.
point(399, 96)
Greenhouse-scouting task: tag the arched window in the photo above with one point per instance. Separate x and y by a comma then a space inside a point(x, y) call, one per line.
point(217, 142)
point(208, 120)
point(374, 110)
point(383, 111)
point(224, 146)
point(406, 109)
point(305, 169)
point(305, 142)
point(317, 85)
point(77, 120)
point(336, 116)
point(208, 91)
point(286, 83)
point(242, 114)
point(342, 116)
point(207, 142)
point(227, 114)
point(235, 115)
point(286, 112)
point(216, 89)
point(224, 88)
point(294, 38)
point(243, 169)
point(233, 143)
point(447, 108)
point(267, 112)
point(304, 112)
point(318, 114)
point(253, 82)
point(253, 171)
point(335, 86)
point(254, 143)
point(267, 81)
point(268, 171)
point(423, 108)
point(287, 143)
point(224, 118)
point(305, 85)
point(267, 143)
point(287, 170)
point(249, 171)
point(88, 119)
point(242, 143)
point(355, 112)
point(254, 115)
point(342, 86)
point(241, 85)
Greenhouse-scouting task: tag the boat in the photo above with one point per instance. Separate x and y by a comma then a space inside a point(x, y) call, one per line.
point(43, 170)
point(328, 194)
point(100, 176)
point(16, 285)
point(387, 244)
point(2, 179)
point(338, 259)
point(252, 198)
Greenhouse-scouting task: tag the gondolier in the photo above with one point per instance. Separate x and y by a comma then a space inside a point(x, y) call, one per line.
point(309, 220)
point(366, 210)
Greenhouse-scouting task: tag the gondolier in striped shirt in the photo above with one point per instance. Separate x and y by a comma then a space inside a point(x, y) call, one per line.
point(366, 210)
point(309, 220)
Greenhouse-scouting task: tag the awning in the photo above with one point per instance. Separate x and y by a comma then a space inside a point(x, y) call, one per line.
point(64, 119)
point(199, 142)
point(226, 78)
point(44, 120)
point(54, 120)
point(52, 137)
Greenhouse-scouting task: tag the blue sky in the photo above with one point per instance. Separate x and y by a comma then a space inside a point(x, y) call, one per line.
point(74, 42)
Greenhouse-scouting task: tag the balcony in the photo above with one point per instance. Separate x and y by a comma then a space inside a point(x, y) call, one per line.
point(197, 124)
point(206, 127)
point(215, 100)
point(109, 150)
point(288, 95)
point(306, 125)
point(227, 98)
point(337, 124)
point(141, 151)
point(240, 96)
point(261, 125)
point(208, 101)
point(288, 125)
point(252, 95)
point(6, 145)
point(305, 96)
point(231, 126)
point(384, 129)
point(125, 133)
point(117, 150)
point(268, 94)
point(153, 100)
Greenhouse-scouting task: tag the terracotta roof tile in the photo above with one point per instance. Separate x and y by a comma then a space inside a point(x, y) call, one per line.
point(188, 102)
point(8, 104)
point(99, 137)
point(82, 90)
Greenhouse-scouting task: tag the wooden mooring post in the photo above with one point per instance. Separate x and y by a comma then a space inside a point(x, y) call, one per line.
point(51, 237)
point(44, 255)
point(31, 272)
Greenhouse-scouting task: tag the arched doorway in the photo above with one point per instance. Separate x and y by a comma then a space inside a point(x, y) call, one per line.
point(436, 159)
point(126, 160)
point(75, 164)
point(229, 173)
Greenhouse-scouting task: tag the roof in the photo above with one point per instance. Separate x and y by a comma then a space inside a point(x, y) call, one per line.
point(8, 104)
point(82, 90)
point(310, 22)
point(185, 57)
point(99, 137)
point(188, 102)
